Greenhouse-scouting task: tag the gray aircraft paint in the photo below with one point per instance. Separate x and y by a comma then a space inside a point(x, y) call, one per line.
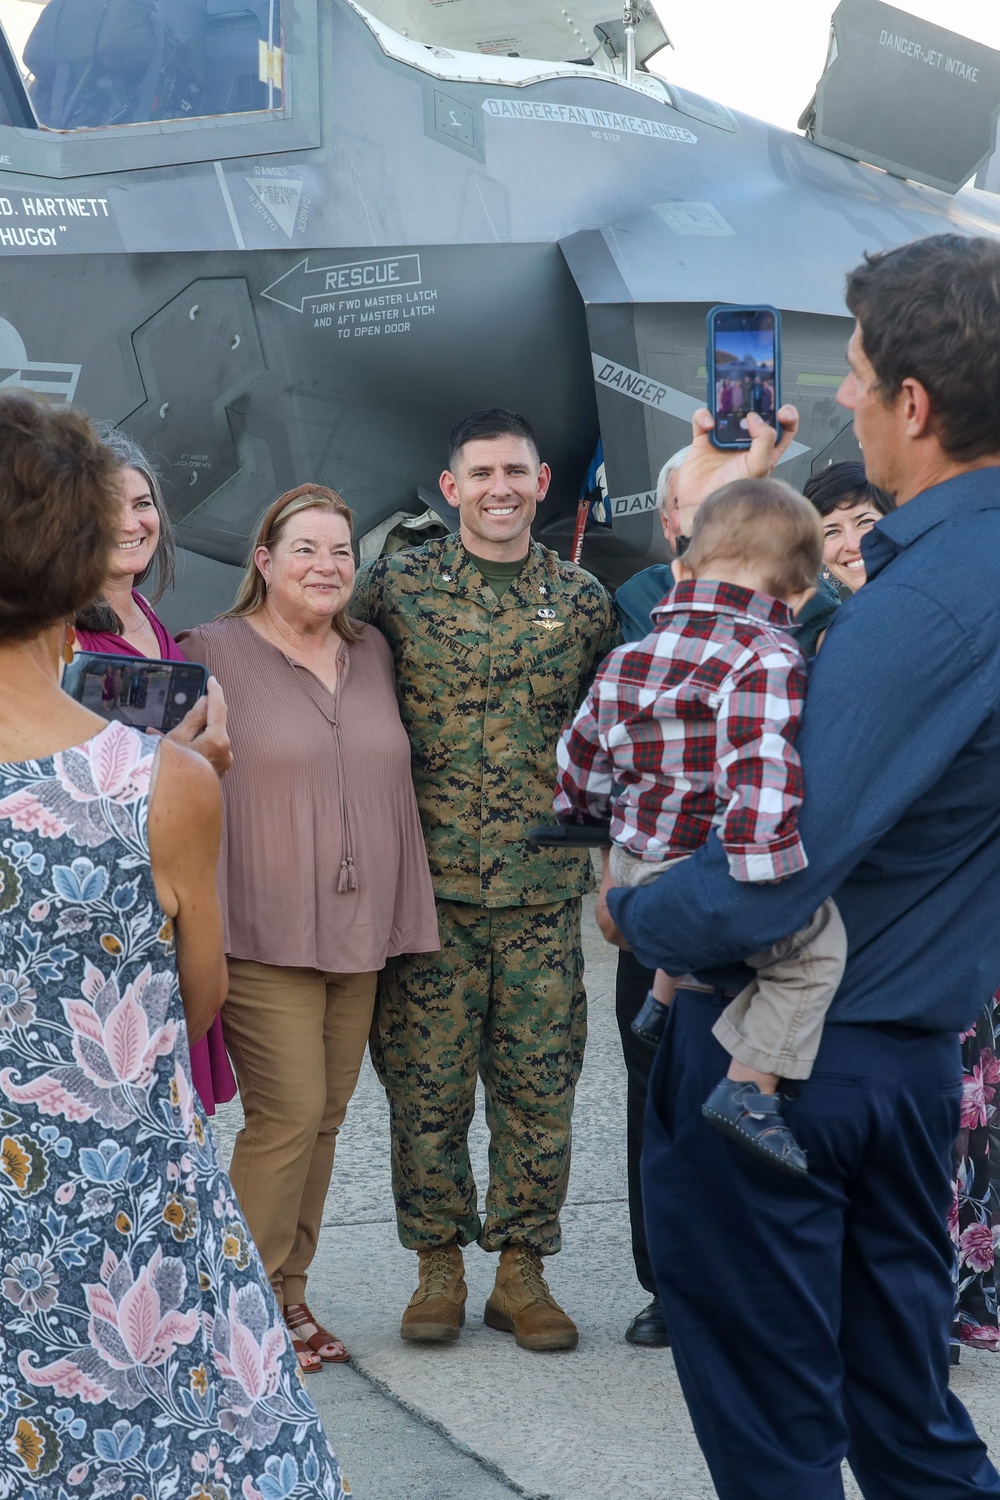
point(544, 29)
point(906, 95)
point(259, 315)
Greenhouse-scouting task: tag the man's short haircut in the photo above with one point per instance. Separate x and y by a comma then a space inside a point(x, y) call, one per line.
point(930, 311)
point(60, 514)
point(671, 466)
point(482, 426)
point(760, 523)
point(845, 484)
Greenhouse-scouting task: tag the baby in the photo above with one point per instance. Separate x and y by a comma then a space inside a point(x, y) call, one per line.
point(693, 730)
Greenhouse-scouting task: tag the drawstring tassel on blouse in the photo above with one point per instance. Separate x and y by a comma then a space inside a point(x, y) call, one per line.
point(348, 879)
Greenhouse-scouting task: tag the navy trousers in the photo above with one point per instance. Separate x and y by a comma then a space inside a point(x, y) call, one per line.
point(809, 1318)
point(631, 988)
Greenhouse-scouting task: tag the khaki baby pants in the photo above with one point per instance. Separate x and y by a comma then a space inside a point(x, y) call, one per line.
point(775, 1024)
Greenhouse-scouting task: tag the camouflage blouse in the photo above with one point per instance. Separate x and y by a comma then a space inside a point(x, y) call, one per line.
point(484, 689)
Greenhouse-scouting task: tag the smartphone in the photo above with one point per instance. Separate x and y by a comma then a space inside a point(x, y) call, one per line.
point(135, 690)
point(570, 836)
point(744, 370)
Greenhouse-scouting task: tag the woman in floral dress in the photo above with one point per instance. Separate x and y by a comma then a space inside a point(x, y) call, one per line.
point(142, 1352)
point(975, 1219)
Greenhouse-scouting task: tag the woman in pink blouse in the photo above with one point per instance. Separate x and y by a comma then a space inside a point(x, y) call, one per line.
point(120, 622)
point(323, 872)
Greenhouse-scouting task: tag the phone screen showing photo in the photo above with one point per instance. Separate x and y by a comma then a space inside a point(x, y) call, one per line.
point(744, 361)
point(135, 690)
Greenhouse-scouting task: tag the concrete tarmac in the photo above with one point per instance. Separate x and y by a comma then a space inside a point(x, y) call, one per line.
point(482, 1419)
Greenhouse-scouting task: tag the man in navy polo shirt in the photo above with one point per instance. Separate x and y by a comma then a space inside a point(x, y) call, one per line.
point(809, 1317)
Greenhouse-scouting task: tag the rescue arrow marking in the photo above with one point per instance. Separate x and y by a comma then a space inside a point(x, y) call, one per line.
point(304, 283)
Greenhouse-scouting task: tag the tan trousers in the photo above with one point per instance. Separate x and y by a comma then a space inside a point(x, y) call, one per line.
point(297, 1038)
point(776, 1023)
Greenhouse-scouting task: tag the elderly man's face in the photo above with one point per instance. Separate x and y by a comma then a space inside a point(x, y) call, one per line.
point(670, 516)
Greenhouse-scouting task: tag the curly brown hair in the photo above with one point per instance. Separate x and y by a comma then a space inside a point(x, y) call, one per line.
point(58, 514)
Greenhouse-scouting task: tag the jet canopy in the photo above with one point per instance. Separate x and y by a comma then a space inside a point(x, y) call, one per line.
point(90, 63)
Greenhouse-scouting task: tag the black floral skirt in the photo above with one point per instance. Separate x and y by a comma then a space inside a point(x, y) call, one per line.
point(975, 1215)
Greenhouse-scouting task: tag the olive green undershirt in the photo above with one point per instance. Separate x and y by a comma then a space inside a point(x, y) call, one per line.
point(499, 575)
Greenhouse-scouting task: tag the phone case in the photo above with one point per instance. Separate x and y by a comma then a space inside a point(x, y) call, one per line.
point(144, 692)
point(741, 444)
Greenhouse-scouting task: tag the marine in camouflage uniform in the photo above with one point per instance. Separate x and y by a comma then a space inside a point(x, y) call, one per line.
point(485, 686)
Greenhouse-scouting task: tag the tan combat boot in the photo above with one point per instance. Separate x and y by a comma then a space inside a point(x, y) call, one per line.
point(522, 1304)
point(436, 1310)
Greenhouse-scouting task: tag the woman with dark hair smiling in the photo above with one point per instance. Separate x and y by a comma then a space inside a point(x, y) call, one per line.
point(119, 619)
point(849, 507)
point(120, 622)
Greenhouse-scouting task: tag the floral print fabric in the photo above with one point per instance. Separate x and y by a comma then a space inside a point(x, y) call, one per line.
point(142, 1352)
point(975, 1218)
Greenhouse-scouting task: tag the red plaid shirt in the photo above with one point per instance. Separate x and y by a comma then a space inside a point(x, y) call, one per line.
point(692, 729)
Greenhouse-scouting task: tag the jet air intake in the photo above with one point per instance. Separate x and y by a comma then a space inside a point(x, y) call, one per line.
point(905, 95)
point(587, 31)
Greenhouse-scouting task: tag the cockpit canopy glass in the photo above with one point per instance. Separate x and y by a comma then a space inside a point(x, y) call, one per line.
point(91, 63)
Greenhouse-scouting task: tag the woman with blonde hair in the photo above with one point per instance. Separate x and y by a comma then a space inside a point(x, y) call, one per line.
point(323, 873)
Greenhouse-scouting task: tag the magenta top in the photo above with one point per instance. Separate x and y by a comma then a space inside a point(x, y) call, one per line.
point(116, 645)
point(210, 1068)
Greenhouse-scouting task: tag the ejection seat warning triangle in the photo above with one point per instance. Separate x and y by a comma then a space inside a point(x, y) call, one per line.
point(304, 282)
point(280, 196)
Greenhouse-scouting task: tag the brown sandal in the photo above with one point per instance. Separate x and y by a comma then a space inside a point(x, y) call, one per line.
point(309, 1361)
point(297, 1315)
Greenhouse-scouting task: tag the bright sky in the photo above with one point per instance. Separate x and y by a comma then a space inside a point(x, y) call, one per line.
point(768, 67)
point(768, 70)
point(18, 18)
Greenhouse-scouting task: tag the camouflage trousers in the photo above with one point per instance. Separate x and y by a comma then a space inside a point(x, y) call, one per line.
point(503, 999)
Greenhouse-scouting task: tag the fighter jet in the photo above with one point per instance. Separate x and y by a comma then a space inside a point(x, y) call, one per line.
point(295, 241)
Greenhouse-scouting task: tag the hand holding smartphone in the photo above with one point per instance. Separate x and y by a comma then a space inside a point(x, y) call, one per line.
point(744, 371)
point(147, 694)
